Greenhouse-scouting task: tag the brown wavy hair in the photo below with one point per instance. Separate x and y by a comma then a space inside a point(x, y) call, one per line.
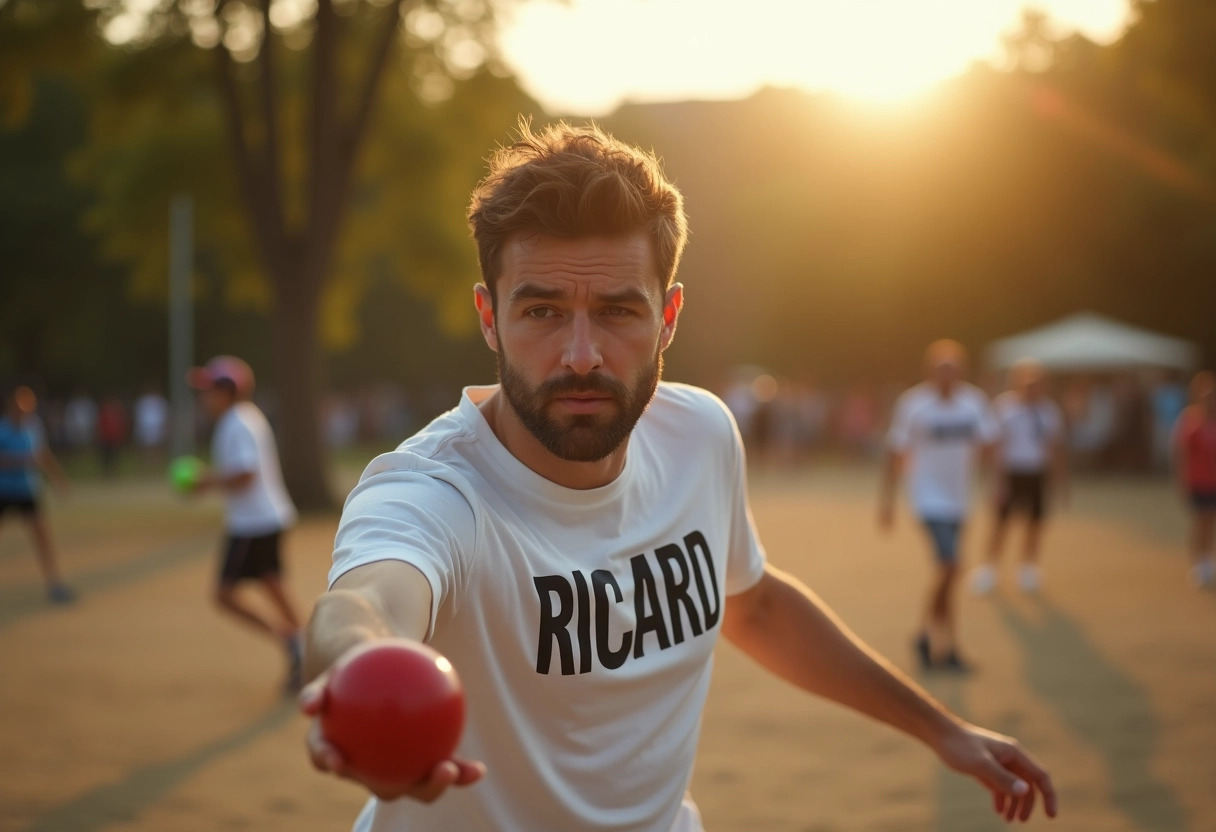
point(565, 181)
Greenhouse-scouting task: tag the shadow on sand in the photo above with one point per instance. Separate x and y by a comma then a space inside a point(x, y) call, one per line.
point(1102, 706)
point(126, 799)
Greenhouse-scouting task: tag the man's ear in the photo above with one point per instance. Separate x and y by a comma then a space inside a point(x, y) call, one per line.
point(673, 302)
point(485, 314)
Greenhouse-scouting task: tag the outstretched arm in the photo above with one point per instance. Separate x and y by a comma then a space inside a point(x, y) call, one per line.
point(386, 599)
point(782, 625)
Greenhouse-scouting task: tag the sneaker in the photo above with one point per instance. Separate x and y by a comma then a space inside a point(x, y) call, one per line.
point(983, 579)
point(60, 593)
point(956, 664)
point(1029, 578)
point(923, 653)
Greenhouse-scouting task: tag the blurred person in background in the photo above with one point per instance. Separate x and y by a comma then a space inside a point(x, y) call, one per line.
point(245, 469)
point(938, 429)
point(151, 421)
point(24, 457)
point(1031, 466)
point(858, 422)
point(1167, 400)
point(1195, 464)
point(80, 421)
point(111, 433)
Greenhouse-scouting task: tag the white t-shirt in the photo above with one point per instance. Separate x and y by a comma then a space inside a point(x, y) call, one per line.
point(582, 622)
point(151, 419)
point(941, 436)
point(243, 443)
point(1028, 432)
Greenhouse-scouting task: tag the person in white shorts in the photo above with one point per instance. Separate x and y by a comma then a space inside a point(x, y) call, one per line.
point(575, 538)
point(258, 510)
point(1031, 468)
point(938, 430)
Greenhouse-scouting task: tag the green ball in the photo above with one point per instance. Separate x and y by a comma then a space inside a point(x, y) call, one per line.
point(185, 472)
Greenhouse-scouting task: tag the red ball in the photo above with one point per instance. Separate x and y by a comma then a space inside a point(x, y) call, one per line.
point(393, 709)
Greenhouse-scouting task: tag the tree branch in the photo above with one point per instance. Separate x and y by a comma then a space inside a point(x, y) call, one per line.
point(350, 136)
point(323, 130)
point(252, 185)
point(270, 116)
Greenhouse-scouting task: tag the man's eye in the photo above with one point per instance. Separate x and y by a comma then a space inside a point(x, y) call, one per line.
point(540, 312)
point(617, 311)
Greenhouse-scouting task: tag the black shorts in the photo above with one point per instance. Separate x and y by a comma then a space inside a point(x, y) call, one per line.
point(1024, 492)
point(250, 557)
point(22, 505)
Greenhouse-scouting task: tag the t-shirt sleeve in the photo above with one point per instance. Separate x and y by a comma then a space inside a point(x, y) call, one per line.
point(899, 436)
point(746, 559)
point(237, 451)
point(397, 513)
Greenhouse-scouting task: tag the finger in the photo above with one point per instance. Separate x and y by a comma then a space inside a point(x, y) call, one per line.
point(1025, 765)
point(323, 755)
point(1027, 806)
point(1011, 809)
point(470, 771)
point(312, 697)
point(442, 776)
point(998, 802)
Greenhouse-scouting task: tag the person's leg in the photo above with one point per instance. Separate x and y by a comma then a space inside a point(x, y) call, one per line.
point(229, 601)
point(40, 532)
point(984, 575)
point(241, 562)
point(273, 585)
point(936, 642)
point(1036, 506)
point(1203, 529)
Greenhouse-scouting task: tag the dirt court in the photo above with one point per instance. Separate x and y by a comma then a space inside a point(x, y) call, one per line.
point(140, 709)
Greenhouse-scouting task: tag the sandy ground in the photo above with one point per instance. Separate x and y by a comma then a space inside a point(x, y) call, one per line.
point(140, 709)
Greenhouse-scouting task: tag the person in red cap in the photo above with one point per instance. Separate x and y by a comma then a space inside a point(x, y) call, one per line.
point(245, 468)
point(1195, 463)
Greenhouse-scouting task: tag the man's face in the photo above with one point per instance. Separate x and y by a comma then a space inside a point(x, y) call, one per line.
point(946, 373)
point(216, 400)
point(579, 328)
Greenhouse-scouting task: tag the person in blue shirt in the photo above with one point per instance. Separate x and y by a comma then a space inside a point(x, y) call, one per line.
point(24, 457)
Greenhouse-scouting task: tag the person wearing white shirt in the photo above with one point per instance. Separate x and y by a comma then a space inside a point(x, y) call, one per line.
point(1031, 467)
point(939, 429)
point(245, 468)
point(576, 538)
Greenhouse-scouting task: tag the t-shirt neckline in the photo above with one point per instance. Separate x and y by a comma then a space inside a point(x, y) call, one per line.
point(520, 474)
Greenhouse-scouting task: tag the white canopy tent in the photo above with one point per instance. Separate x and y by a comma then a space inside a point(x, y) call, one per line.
point(1088, 342)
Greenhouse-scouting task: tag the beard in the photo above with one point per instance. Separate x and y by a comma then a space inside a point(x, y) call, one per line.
point(579, 437)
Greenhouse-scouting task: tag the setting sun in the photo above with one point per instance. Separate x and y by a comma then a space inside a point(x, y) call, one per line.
point(587, 56)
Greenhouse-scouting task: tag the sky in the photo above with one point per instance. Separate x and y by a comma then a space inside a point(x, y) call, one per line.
point(585, 57)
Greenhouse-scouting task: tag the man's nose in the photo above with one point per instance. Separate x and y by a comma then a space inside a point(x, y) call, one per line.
point(582, 354)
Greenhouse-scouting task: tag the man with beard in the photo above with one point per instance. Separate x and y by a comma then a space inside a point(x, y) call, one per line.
point(575, 538)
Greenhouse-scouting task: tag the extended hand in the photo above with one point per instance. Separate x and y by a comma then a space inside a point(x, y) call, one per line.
point(1003, 768)
point(453, 772)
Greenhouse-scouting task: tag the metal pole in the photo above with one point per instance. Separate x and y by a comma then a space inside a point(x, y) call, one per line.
point(181, 322)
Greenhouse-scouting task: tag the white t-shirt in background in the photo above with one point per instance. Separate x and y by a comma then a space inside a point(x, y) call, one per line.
point(1028, 432)
point(242, 443)
point(940, 436)
point(582, 622)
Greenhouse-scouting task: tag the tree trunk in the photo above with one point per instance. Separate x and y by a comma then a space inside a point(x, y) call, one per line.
point(297, 365)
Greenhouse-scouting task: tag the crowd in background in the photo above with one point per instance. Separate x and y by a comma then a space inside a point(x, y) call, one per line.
point(1115, 422)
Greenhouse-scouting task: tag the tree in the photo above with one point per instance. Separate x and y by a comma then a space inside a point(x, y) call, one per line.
point(290, 88)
